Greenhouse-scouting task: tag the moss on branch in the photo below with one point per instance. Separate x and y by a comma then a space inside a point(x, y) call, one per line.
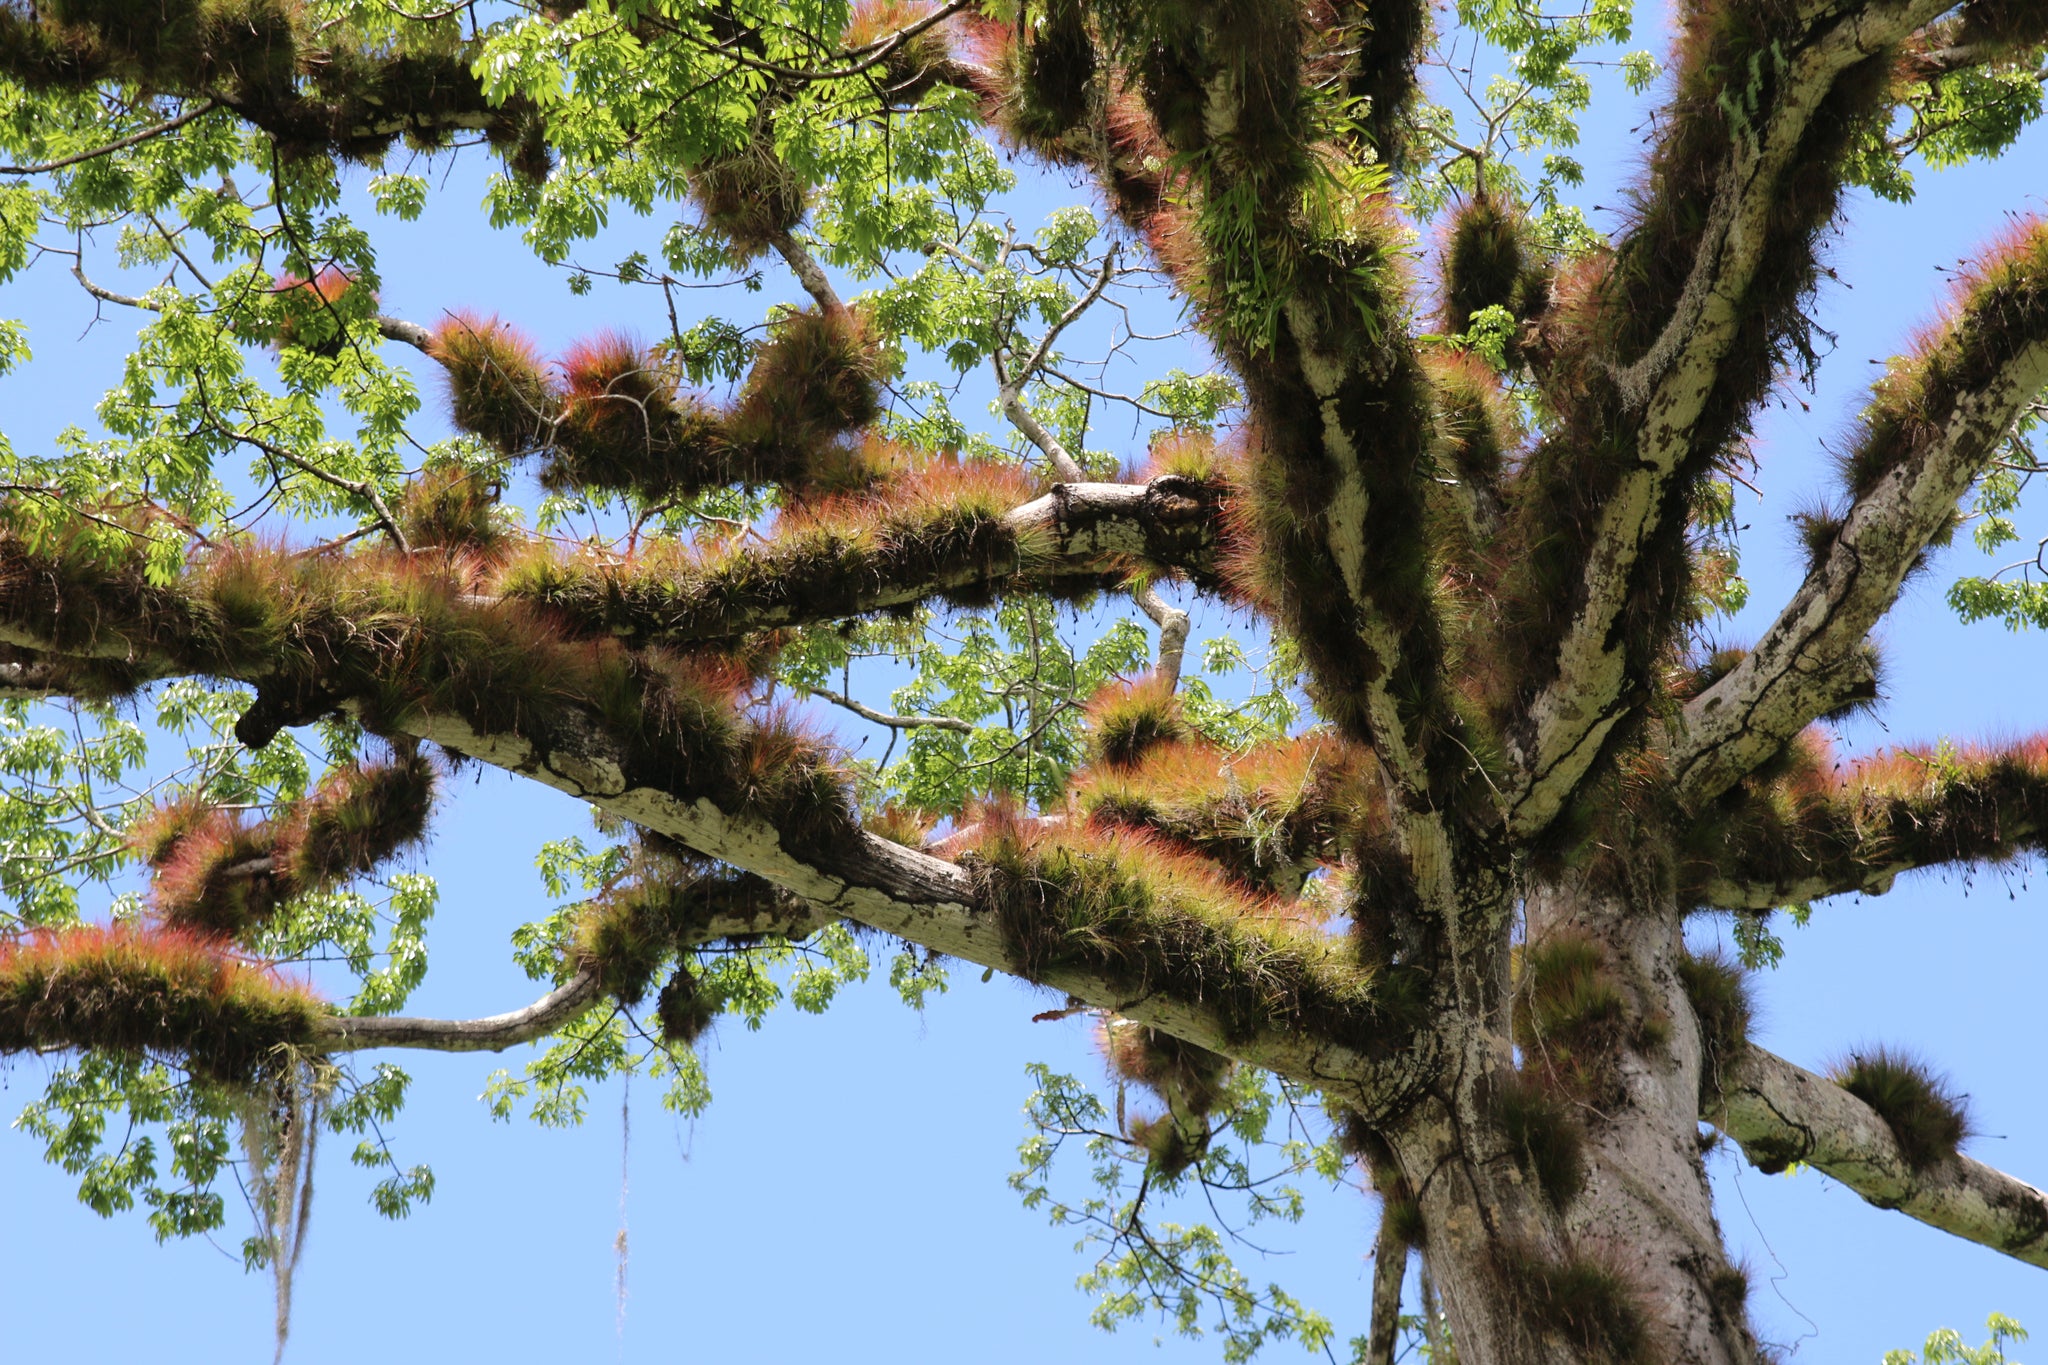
point(312, 88)
point(395, 641)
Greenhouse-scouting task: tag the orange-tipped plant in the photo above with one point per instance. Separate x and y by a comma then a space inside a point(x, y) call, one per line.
point(359, 817)
point(158, 991)
point(1127, 720)
point(497, 386)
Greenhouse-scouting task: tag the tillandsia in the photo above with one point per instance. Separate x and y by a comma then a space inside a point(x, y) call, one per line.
point(1426, 869)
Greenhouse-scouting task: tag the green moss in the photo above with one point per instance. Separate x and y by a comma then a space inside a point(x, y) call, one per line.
point(1926, 1117)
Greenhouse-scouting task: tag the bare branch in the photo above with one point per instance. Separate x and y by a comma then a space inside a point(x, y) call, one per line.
point(808, 272)
point(1173, 630)
point(494, 1033)
point(884, 718)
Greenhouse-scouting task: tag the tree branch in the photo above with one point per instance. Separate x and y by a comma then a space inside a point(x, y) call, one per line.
point(884, 718)
point(494, 1033)
point(452, 677)
point(1080, 535)
point(1859, 828)
point(1697, 351)
point(1935, 424)
point(1781, 1113)
point(170, 125)
point(1173, 626)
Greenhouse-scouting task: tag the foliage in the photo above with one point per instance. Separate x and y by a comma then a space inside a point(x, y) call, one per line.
point(1945, 1346)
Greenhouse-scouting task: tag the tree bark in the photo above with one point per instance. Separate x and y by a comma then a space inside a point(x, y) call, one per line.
point(1514, 1260)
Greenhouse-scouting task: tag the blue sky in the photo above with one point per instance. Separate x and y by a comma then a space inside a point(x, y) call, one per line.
point(844, 1198)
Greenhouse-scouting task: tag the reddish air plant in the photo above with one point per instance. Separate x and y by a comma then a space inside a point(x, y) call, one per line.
point(220, 879)
point(815, 377)
point(360, 815)
point(910, 67)
point(131, 989)
point(311, 312)
point(618, 402)
point(1175, 877)
point(498, 387)
point(1127, 720)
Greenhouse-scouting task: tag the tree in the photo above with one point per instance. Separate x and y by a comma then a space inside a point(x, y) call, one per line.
point(1486, 517)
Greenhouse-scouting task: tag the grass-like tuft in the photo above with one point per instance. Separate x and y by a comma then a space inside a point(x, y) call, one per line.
point(817, 376)
point(1188, 1077)
point(1121, 906)
point(219, 879)
point(1570, 1012)
point(1719, 990)
point(498, 388)
point(1268, 815)
point(453, 509)
point(1926, 1117)
point(360, 816)
point(913, 64)
point(1546, 1136)
point(749, 197)
point(937, 528)
point(1581, 1301)
point(1127, 720)
point(157, 991)
point(1812, 818)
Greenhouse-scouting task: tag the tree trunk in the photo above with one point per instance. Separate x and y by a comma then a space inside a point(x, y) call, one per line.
point(1626, 1263)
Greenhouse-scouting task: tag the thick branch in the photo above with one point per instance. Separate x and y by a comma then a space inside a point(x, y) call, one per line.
point(1859, 828)
point(1781, 1113)
point(1736, 203)
point(1934, 426)
point(1076, 536)
point(462, 677)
